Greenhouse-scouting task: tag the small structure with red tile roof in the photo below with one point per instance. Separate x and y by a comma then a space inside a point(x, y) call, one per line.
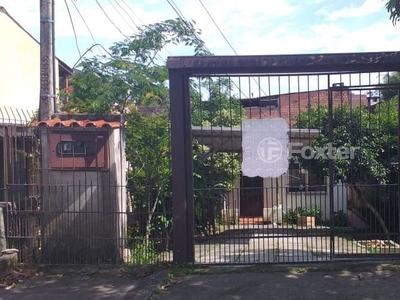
point(84, 187)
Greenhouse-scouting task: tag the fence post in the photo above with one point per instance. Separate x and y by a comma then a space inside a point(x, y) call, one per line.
point(182, 169)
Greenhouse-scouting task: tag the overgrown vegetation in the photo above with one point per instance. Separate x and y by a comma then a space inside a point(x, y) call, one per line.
point(371, 134)
point(132, 81)
point(214, 171)
point(292, 215)
point(340, 219)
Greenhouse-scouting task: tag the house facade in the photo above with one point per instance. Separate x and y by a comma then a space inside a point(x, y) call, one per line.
point(269, 199)
point(20, 65)
point(19, 102)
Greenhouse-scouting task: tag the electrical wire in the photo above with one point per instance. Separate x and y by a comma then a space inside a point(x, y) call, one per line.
point(131, 10)
point(216, 25)
point(118, 12)
point(185, 21)
point(87, 27)
point(124, 10)
point(73, 28)
point(90, 48)
point(182, 17)
point(226, 39)
point(111, 20)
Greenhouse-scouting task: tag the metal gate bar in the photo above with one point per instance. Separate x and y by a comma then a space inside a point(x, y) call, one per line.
point(250, 240)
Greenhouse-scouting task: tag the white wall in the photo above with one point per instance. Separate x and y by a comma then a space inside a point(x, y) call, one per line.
point(20, 67)
point(275, 189)
point(313, 199)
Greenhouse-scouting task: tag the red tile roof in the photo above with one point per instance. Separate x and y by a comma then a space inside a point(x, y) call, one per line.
point(85, 121)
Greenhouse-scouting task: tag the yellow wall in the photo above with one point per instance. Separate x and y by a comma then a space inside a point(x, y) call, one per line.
point(19, 67)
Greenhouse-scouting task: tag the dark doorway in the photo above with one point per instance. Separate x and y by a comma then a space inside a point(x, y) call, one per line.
point(251, 197)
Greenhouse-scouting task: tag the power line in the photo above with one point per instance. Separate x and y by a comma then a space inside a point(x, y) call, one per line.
point(226, 39)
point(182, 17)
point(73, 28)
point(133, 29)
point(89, 49)
point(185, 21)
point(131, 10)
point(124, 10)
point(219, 29)
point(111, 20)
point(87, 26)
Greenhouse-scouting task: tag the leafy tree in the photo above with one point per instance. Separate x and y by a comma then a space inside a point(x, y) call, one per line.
point(354, 128)
point(132, 78)
point(372, 136)
point(216, 106)
point(132, 72)
point(214, 171)
point(129, 78)
point(148, 153)
point(392, 78)
point(393, 8)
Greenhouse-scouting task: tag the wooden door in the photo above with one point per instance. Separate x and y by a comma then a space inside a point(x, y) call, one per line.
point(251, 197)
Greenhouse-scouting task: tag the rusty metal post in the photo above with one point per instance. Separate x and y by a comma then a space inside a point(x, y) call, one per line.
point(47, 91)
point(182, 169)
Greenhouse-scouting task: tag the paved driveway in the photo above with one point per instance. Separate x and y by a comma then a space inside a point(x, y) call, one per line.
point(272, 244)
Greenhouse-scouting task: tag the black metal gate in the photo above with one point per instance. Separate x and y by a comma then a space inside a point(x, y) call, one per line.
point(20, 184)
point(338, 197)
point(372, 228)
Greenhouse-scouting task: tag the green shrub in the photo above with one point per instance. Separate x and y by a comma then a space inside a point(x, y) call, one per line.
point(292, 216)
point(340, 219)
point(143, 253)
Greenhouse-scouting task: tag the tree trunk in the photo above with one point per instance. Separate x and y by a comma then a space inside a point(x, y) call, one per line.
point(165, 243)
point(373, 210)
point(151, 213)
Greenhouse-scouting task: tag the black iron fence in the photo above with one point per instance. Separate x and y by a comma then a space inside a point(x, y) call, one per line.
point(97, 189)
point(80, 231)
point(327, 189)
point(70, 196)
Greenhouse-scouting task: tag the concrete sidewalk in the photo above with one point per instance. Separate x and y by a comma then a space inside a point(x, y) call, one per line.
point(297, 284)
point(85, 287)
point(324, 281)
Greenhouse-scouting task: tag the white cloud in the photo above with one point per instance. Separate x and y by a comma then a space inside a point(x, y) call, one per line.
point(251, 27)
point(322, 38)
point(367, 8)
point(380, 36)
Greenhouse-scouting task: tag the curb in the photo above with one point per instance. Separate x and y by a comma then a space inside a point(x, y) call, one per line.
point(146, 287)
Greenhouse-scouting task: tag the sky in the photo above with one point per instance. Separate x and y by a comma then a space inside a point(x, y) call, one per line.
point(251, 27)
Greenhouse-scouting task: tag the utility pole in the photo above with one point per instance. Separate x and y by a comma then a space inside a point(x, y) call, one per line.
point(47, 90)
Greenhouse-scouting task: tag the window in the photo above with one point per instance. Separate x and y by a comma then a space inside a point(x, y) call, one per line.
point(76, 148)
point(269, 102)
point(301, 180)
point(265, 101)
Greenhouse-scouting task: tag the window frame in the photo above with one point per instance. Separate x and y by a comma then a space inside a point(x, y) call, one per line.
point(304, 177)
